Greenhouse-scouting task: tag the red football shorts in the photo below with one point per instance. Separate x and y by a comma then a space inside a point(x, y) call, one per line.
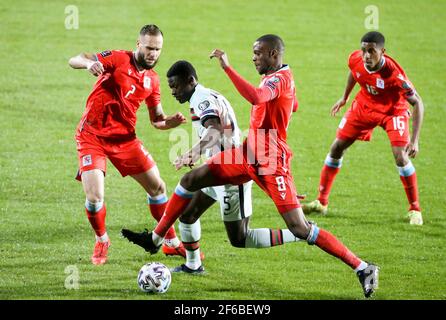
point(128, 156)
point(359, 121)
point(230, 167)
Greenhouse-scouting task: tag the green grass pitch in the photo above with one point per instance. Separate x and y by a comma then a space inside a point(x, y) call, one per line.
point(43, 228)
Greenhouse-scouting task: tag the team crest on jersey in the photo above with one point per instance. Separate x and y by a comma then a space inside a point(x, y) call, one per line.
point(86, 160)
point(105, 53)
point(147, 82)
point(357, 74)
point(380, 83)
point(204, 105)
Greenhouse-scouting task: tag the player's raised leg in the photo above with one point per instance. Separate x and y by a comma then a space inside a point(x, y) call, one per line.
point(282, 191)
point(241, 236)
point(366, 272)
point(408, 177)
point(236, 210)
point(157, 199)
point(93, 184)
point(192, 181)
point(332, 165)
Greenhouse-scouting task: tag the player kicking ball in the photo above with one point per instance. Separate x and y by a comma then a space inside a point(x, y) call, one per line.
point(107, 131)
point(382, 101)
point(215, 125)
point(264, 157)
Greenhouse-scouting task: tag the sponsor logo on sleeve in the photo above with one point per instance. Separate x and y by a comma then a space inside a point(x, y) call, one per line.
point(272, 83)
point(105, 53)
point(204, 105)
point(406, 85)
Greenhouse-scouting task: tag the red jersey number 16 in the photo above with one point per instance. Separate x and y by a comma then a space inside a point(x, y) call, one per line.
point(398, 123)
point(371, 89)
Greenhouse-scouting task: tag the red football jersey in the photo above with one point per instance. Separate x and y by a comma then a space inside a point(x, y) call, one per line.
point(269, 121)
point(117, 94)
point(384, 90)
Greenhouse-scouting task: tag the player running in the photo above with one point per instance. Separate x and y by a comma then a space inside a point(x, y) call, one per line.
point(264, 157)
point(107, 130)
point(216, 127)
point(382, 101)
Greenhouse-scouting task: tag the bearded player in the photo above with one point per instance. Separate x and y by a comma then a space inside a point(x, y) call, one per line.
point(382, 101)
point(107, 131)
point(264, 158)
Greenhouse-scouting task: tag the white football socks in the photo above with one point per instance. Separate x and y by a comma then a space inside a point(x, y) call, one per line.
point(103, 238)
point(191, 233)
point(157, 240)
point(361, 266)
point(93, 206)
point(261, 238)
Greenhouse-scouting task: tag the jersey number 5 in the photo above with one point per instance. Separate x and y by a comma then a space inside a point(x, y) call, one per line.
point(226, 200)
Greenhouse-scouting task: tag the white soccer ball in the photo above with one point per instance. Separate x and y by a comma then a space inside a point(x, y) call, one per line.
point(154, 277)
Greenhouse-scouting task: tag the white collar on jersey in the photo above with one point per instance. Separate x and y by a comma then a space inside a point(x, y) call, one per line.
point(198, 89)
point(383, 62)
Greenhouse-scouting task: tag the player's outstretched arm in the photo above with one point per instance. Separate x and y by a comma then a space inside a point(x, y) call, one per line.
point(87, 61)
point(343, 101)
point(418, 113)
point(162, 122)
point(251, 93)
point(211, 138)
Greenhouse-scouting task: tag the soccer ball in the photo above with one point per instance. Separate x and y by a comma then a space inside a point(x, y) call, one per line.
point(154, 277)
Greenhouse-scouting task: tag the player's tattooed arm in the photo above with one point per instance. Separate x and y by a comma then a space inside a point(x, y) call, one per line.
point(162, 122)
point(348, 90)
point(210, 139)
point(87, 61)
point(417, 119)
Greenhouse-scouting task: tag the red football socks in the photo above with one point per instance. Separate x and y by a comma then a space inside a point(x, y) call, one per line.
point(330, 244)
point(97, 220)
point(157, 211)
point(328, 175)
point(411, 187)
point(175, 207)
